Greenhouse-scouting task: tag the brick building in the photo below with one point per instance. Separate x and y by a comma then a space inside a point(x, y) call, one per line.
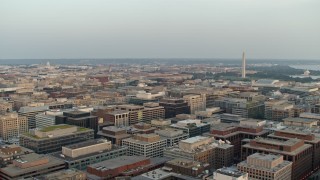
point(294, 150)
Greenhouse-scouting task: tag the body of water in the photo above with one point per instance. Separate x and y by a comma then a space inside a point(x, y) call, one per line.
point(315, 67)
point(301, 76)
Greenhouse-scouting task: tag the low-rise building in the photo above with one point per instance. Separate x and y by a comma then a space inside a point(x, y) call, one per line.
point(51, 139)
point(82, 154)
point(187, 167)
point(229, 173)
point(123, 166)
point(300, 122)
point(8, 153)
point(68, 174)
point(31, 165)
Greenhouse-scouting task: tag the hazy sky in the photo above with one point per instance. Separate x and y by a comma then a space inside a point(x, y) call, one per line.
point(288, 29)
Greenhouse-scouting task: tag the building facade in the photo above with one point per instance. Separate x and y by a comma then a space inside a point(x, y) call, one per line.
point(148, 145)
point(12, 125)
point(51, 139)
point(266, 166)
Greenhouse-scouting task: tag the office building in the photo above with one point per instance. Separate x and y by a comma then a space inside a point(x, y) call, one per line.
point(195, 102)
point(51, 139)
point(119, 118)
point(174, 107)
point(47, 118)
point(266, 166)
point(101, 111)
point(126, 166)
point(268, 107)
point(279, 110)
point(161, 123)
point(235, 133)
point(79, 118)
point(146, 113)
point(152, 111)
point(300, 122)
point(192, 127)
point(11, 126)
point(68, 174)
point(244, 107)
point(82, 154)
point(148, 145)
point(173, 136)
point(31, 112)
point(11, 152)
point(31, 165)
point(217, 154)
point(114, 134)
point(229, 173)
point(187, 167)
point(305, 135)
point(141, 128)
point(294, 150)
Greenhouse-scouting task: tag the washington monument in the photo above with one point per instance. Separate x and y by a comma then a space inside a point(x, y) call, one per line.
point(243, 72)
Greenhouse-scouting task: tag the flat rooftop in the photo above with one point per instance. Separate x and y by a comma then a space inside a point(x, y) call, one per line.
point(186, 163)
point(289, 142)
point(265, 157)
point(86, 143)
point(194, 139)
point(13, 170)
point(114, 148)
point(56, 127)
point(304, 120)
point(116, 112)
point(118, 162)
point(275, 151)
point(113, 128)
point(230, 171)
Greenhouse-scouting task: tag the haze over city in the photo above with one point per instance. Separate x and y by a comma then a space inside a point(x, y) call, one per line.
point(159, 90)
point(266, 29)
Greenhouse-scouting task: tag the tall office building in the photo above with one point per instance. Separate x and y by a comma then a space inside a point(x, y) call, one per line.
point(243, 72)
point(148, 145)
point(79, 118)
point(31, 112)
point(203, 149)
point(31, 165)
point(119, 118)
point(235, 133)
point(304, 134)
point(174, 107)
point(196, 102)
point(145, 113)
point(266, 166)
point(12, 125)
point(294, 150)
